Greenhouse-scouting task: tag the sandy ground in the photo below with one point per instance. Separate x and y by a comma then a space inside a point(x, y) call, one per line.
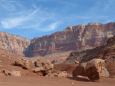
point(46, 81)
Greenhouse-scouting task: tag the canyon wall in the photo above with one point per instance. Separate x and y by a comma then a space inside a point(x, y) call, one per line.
point(12, 43)
point(78, 38)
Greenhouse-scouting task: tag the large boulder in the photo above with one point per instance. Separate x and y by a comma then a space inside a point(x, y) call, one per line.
point(93, 69)
point(100, 67)
point(24, 63)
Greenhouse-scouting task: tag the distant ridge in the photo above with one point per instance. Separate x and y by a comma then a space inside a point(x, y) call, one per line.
point(73, 38)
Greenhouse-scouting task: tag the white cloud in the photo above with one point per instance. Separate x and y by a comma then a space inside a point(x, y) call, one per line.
point(18, 16)
point(46, 28)
point(30, 20)
point(12, 22)
point(53, 26)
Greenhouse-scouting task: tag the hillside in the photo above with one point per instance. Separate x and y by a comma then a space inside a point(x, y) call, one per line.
point(106, 52)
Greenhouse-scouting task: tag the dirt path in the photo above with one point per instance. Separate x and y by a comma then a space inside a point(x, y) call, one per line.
point(45, 81)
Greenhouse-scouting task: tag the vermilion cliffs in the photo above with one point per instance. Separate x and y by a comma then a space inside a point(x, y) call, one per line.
point(73, 38)
point(13, 43)
point(78, 38)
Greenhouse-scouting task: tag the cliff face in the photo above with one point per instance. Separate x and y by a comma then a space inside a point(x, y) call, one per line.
point(12, 43)
point(74, 38)
point(106, 51)
point(80, 37)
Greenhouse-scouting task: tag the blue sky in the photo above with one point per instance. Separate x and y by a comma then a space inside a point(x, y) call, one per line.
point(35, 18)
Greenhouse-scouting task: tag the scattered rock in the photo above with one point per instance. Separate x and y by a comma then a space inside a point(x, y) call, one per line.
point(42, 66)
point(24, 63)
point(38, 69)
point(6, 72)
point(62, 74)
point(59, 74)
point(45, 64)
point(38, 65)
point(11, 73)
point(16, 73)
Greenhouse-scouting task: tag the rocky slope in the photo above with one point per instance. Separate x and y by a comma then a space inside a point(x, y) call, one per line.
point(13, 43)
point(106, 52)
point(80, 37)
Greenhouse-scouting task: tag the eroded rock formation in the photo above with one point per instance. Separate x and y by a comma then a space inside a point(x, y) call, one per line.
point(73, 38)
point(106, 52)
point(93, 69)
point(80, 37)
point(38, 65)
point(13, 43)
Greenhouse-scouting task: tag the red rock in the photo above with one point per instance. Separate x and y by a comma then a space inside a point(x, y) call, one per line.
point(12, 43)
point(80, 37)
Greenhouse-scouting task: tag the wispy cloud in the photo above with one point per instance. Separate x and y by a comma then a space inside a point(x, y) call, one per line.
point(51, 27)
point(33, 18)
point(13, 22)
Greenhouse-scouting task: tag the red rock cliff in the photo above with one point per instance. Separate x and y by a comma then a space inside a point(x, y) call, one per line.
point(80, 37)
point(13, 43)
